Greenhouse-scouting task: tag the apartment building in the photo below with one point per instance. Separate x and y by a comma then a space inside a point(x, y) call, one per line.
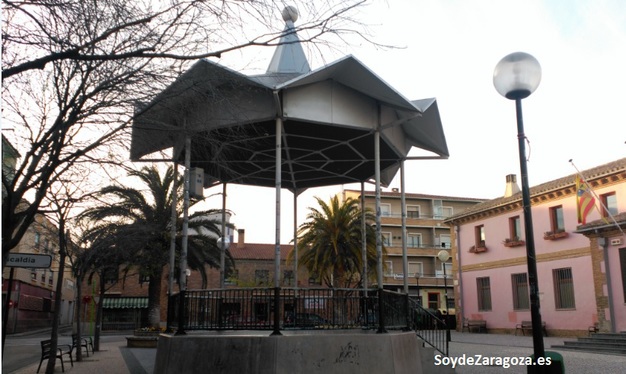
point(581, 265)
point(33, 290)
point(427, 235)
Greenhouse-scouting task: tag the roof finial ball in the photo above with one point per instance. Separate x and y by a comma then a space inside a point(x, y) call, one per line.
point(290, 13)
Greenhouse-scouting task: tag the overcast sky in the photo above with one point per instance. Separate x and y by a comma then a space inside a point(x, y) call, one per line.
point(449, 50)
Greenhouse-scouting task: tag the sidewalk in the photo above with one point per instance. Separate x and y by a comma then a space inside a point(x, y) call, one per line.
point(115, 357)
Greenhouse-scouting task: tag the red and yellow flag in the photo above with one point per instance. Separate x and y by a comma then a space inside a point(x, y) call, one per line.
point(584, 200)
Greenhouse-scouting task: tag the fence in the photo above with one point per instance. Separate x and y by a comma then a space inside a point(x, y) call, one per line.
point(279, 309)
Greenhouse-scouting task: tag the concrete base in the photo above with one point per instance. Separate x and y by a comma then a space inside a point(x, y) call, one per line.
point(315, 352)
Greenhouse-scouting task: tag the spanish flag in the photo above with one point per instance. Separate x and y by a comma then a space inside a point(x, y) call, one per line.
point(584, 200)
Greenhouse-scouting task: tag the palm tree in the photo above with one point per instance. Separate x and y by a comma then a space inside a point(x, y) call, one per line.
point(138, 224)
point(331, 242)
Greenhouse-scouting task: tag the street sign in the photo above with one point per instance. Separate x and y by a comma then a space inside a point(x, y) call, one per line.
point(28, 260)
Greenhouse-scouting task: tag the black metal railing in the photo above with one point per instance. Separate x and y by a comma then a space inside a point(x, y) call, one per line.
point(431, 329)
point(279, 309)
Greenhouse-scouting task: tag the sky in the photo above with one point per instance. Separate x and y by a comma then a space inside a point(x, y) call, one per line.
point(447, 49)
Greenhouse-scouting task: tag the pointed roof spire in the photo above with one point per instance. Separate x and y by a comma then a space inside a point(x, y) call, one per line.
point(289, 56)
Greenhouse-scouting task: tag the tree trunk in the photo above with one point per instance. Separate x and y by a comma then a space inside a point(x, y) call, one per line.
point(96, 335)
point(154, 299)
point(78, 302)
point(54, 335)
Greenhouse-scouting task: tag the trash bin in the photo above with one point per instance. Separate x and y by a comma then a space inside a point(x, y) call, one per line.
point(557, 366)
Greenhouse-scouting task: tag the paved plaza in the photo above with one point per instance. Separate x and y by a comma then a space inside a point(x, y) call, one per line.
point(115, 357)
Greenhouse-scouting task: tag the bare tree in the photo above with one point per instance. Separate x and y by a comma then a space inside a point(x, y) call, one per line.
point(74, 70)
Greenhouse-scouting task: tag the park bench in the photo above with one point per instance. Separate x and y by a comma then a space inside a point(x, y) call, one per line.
point(528, 326)
point(84, 342)
point(46, 353)
point(477, 324)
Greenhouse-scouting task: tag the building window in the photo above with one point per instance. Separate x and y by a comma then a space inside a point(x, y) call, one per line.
point(563, 288)
point(388, 269)
point(46, 245)
point(433, 300)
point(111, 275)
point(261, 277)
point(144, 278)
point(33, 275)
point(521, 300)
point(444, 241)
point(483, 288)
point(515, 228)
point(416, 268)
point(385, 210)
point(288, 278)
point(447, 211)
point(232, 275)
point(413, 211)
point(479, 236)
point(609, 204)
point(414, 240)
point(37, 240)
point(386, 239)
point(557, 222)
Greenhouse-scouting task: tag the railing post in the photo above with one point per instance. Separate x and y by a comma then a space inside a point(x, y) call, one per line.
point(276, 311)
point(407, 311)
point(381, 313)
point(181, 313)
point(169, 312)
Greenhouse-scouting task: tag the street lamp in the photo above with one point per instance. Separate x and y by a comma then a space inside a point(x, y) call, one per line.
point(515, 77)
point(444, 256)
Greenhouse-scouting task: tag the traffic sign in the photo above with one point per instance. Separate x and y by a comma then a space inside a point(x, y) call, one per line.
point(29, 260)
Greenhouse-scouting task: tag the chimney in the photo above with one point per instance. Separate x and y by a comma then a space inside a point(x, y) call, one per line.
point(241, 238)
point(511, 185)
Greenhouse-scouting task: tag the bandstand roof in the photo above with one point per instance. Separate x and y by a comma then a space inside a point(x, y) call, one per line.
point(329, 118)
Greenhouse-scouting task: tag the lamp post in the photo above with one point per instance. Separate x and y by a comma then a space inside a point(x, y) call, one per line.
point(417, 284)
point(515, 77)
point(223, 243)
point(443, 256)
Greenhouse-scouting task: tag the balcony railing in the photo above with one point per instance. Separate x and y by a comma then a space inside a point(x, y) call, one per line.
point(276, 309)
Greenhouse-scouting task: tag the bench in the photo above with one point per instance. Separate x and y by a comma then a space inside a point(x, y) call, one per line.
point(46, 353)
point(84, 342)
point(477, 324)
point(528, 326)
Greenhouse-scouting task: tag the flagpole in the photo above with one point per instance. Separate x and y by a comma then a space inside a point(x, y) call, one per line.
point(608, 212)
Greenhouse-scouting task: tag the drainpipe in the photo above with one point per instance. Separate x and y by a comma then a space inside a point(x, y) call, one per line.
point(457, 229)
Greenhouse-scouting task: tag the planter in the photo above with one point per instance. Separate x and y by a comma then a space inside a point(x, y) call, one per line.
point(142, 341)
point(146, 333)
point(474, 249)
point(555, 235)
point(513, 243)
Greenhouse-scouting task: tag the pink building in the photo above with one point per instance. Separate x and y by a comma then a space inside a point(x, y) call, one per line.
point(576, 287)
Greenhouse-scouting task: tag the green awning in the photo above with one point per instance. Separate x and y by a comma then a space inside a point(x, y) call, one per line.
point(125, 302)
